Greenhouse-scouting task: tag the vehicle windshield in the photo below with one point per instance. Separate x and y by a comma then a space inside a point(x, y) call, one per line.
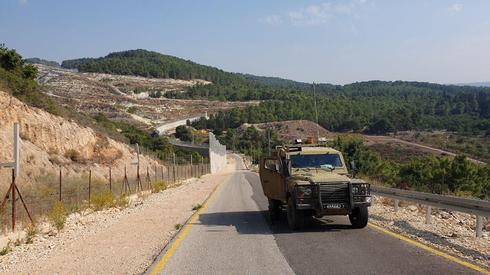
point(316, 161)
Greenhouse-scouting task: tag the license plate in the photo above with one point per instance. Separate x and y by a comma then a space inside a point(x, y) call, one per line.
point(333, 205)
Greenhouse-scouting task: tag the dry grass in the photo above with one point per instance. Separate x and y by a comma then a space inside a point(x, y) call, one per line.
point(102, 200)
point(31, 232)
point(4, 251)
point(159, 186)
point(57, 216)
point(196, 207)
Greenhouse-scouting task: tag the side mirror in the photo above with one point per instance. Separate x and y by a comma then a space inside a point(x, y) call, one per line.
point(353, 165)
point(353, 168)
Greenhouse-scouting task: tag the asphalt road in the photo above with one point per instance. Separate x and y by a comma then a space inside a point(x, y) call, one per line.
point(233, 235)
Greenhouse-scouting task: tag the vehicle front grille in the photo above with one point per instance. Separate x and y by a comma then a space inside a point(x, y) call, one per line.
point(334, 193)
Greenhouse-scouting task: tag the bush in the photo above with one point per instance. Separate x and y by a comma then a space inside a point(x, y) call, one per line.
point(102, 200)
point(4, 251)
point(31, 232)
point(122, 202)
point(196, 207)
point(57, 215)
point(159, 186)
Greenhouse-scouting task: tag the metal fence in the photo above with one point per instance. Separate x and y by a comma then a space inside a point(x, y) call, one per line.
point(479, 208)
point(79, 192)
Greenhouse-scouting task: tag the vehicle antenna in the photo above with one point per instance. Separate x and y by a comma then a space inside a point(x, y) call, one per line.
point(316, 115)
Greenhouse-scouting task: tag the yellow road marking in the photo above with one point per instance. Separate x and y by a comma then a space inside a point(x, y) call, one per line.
point(430, 249)
point(160, 265)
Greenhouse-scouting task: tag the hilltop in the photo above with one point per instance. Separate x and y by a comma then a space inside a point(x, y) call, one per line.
point(149, 64)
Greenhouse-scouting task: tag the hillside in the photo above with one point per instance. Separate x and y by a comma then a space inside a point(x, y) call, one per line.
point(134, 99)
point(49, 141)
point(149, 64)
point(35, 60)
point(291, 129)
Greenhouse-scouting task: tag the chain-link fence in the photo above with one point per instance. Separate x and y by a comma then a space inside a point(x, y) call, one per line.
point(86, 189)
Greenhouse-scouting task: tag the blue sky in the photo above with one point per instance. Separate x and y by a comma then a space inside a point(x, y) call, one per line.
point(338, 42)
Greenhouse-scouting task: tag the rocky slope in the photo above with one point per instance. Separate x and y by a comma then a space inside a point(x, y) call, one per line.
point(48, 142)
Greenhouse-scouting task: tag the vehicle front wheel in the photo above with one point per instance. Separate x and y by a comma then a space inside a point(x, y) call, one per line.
point(359, 217)
point(295, 217)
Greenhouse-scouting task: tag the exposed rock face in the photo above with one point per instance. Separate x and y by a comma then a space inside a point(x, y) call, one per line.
point(48, 141)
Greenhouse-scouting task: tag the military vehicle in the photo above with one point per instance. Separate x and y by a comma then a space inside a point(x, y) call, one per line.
point(313, 180)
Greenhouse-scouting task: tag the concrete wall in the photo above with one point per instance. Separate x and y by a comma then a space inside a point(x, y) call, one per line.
point(217, 154)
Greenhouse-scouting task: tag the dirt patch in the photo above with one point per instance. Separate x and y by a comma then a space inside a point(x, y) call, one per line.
point(138, 100)
point(293, 129)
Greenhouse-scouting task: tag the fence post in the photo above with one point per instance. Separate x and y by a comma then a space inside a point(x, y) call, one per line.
point(428, 215)
point(13, 200)
point(192, 175)
point(479, 226)
point(174, 168)
point(110, 179)
point(156, 173)
point(60, 186)
point(89, 185)
point(397, 202)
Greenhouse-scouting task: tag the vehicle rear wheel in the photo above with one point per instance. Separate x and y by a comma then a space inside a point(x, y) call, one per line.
point(275, 208)
point(295, 217)
point(359, 217)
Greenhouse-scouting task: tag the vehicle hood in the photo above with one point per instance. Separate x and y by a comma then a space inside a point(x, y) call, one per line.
point(319, 176)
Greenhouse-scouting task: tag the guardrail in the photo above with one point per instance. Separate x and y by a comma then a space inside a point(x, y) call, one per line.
point(480, 208)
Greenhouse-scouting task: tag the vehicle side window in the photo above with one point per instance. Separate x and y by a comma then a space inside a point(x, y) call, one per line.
point(272, 164)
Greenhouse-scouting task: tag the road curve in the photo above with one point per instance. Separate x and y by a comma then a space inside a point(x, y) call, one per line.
point(233, 235)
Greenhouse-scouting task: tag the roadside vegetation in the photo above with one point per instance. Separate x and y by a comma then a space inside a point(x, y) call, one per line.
point(442, 175)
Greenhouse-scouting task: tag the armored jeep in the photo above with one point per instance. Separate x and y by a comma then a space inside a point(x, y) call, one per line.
point(313, 180)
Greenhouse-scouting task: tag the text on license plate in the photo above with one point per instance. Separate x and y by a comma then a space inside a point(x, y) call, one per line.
point(333, 205)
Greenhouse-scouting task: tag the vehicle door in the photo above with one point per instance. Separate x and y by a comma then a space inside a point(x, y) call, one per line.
point(272, 179)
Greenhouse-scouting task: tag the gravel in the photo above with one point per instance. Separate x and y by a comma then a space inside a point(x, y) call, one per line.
point(450, 231)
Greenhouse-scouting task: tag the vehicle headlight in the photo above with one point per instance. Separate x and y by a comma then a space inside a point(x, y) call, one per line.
point(304, 191)
point(360, 189)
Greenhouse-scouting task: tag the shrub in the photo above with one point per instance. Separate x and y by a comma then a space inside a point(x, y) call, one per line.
point(4, 251)
point(122, 202)
point(31, 232)
point(196, 207)
point(177, 226)
point(57, 215)
point(159, 186)
point(102, 200)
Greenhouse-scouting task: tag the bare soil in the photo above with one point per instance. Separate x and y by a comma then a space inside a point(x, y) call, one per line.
point(293, 129)
point(127, 97)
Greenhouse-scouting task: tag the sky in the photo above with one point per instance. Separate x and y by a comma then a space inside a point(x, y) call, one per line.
point(326, 41)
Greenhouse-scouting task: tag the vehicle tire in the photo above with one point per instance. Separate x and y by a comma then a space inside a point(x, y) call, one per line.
point(275, 208)
point(295, 217)
point(359, 217)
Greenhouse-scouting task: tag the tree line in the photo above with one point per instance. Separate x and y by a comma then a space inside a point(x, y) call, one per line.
point(441, 175)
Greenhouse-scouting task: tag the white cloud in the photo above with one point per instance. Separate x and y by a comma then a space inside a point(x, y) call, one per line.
point(273, 19)
point(324, 12)
point(456, 7)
